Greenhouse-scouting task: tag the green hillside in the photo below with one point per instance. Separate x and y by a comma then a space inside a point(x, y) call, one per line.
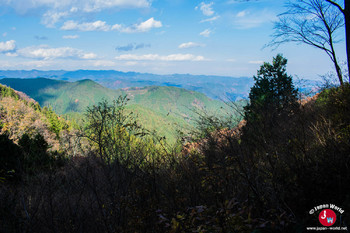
point(165, 125)
point(173, 101)
point(22, 117)
point(62, 96)
point(164, 109)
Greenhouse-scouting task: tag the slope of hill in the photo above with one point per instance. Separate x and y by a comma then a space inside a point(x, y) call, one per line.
point(62, 96)
point(20, 115)
point(160, 108)
point(216, 87)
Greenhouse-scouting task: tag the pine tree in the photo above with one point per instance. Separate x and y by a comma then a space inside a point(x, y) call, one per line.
point(273, 99)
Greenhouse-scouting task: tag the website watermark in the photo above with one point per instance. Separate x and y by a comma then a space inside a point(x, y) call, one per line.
point(329, 217)
point(326, 228)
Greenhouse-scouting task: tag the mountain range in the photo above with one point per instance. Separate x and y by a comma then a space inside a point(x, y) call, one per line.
point(162, 108)
point(216, 87)
point(163, 102)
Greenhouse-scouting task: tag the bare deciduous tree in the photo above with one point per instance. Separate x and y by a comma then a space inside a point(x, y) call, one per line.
point(346, 12)
point(312, 22)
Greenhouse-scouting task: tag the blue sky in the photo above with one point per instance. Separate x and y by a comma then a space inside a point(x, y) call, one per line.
point(223, 37)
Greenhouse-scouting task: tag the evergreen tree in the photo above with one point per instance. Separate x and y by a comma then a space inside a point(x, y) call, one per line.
point(11, 159)
point(36, 156)
point(272, 98)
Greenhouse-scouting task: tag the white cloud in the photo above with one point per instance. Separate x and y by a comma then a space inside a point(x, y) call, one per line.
point(131, 63)
point(74, 9)
point(104, 63)
point(50, 18)
point(55, 10)
point(206, 9)
point(71, 64)
point(247, 20)
point(47, 53)
point(98, 5)
point(241, 14)
point(256, 62)
point(142, 27)
point(116, 27)
point(36, 64)
point(157, 57)
point(4, 34)
point(8, 46)
point(23, 6)
point(70, 37)
point(206, 33)
point(210, 19)
point(11, 54)
point(92, 26)
point(190, 45)
point(87, 55)
point(239, 1)
point(25, 64)
point(103, 26)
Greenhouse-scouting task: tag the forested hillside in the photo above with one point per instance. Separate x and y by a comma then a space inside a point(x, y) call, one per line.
point(164, 109)
point(287, 156)
point(216, 87)
point(30, 135)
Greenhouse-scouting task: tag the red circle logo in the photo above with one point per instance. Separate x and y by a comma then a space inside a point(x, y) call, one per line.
point(327, 217)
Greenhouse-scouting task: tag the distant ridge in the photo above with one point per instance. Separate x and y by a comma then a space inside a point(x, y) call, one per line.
point(62, 94)
point(163, 108)
point(216, 87)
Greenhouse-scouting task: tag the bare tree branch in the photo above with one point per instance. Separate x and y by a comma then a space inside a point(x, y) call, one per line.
point(311, 22)
point(336, 5)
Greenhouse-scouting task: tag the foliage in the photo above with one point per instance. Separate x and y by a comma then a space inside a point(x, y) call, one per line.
point(19, 118)
point(29, 143)
point(273, 89)
point(56, 124)
point(7, 92)
point(30, 156)
point(273, 99)
point(10, 159)
point(112, 130)
point(164, 109)
point(215, 87)
point(335, 104)
point(35, 152)
point(208, 124)
point(225, 180)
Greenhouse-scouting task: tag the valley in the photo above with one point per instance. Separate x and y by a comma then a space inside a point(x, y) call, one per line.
point(164, 109)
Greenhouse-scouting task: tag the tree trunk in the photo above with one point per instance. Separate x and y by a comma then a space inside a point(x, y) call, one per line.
point(332, 54)
point(335, 62)
point(338, 70)
point(346, 13)
point(347, 32)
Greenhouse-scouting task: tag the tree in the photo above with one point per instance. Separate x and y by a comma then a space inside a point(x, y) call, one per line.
point(273, 88)
point(56, 125)
point(346, 12)
point(11, 158)
point(36, 155)
point(312, 22)
point(112, 129)
point(273, 98)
